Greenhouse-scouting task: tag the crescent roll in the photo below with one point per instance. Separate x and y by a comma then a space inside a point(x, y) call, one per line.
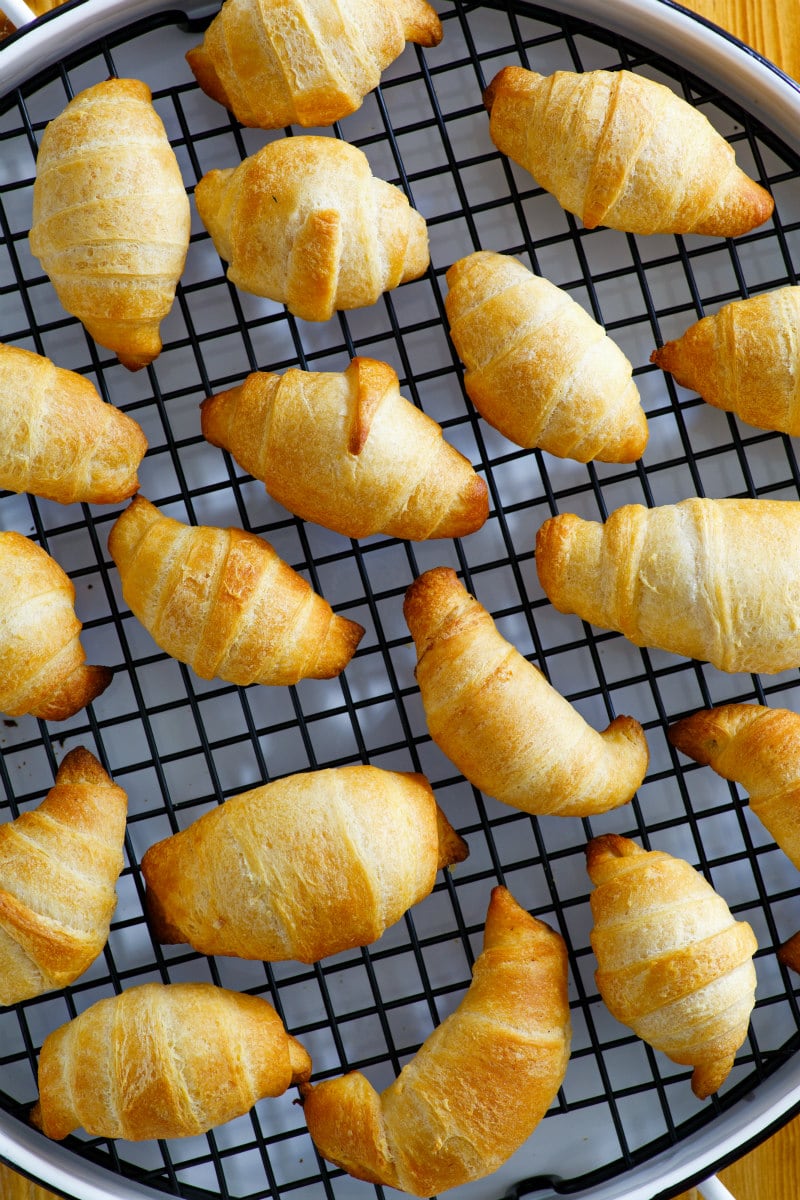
point(716, 580)
point(497, 718)
point(111, 217)
point(164, 1060)
point(304, 222)
point(479, 1085)
point(618, 149)
point(346, 450)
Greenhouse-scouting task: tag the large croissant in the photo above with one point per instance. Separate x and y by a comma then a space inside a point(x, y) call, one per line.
point(538, 368)
point(620, 150)
point(744, 359)
point(164, 1061)
point(42, 662)
point(673, 964)
point(224, 602)
point(479, 1085)
point(111, 216)
point(59, 865)
point(302, 867)
point(345, 449)
point(497, 718)
point(58, 439)
point(305, 62)
point(303, 221)
point(716, 580)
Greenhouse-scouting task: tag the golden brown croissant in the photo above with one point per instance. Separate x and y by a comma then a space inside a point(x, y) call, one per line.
point(346, 450)
point(497, 718)
point(620, 150)
point(302, 867)
point(673, 964)
point(715, 580)
point(111, 216)
point(58, 439)
point(164, 1061)
point(744, 359)
point(42, 662)
point(303, 221)
point(305, 62)
point(224, 602)
point(479, 1085)
point(59, 866)
point(538, 368)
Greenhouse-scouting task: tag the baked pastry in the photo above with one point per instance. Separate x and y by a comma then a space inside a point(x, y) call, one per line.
point(164, 1060)
point(224, 602)
point(58, 439)
point(305, 62)
point(715, 580)
point(497, 718)
point(346, 450)
point(673, 964)
point(59, 865)
point(42, 662)
point(111, 216)
point(743, 359)
point(479, 1085)
point(303, 221)
point(538, 368)
point(621, 150)
point(302, 867)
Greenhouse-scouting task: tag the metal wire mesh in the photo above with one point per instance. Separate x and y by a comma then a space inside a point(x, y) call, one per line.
point(179, 745)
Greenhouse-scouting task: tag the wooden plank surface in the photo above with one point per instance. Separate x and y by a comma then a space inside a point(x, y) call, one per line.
point(771, 26)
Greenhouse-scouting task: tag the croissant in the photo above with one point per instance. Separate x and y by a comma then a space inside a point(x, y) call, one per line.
point(744, 359)
point(42, 662)
point(303, 221)
point(479, 1085)
point(538, 368)
point(58, 439)
point(673, 964)
point(287, 62)
point(302, 867)
point(348, 451)
point(224, 602)
point(620, 150)
point(715, 580)
point(59, 866)
point(497, 718)
point(111, 217)
point(164, 1061)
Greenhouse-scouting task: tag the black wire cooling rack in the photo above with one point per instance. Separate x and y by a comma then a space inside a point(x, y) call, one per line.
point(179, 745)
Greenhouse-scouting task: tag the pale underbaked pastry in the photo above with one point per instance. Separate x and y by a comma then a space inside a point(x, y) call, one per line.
point(304, 222)
point(538, 367)
point(479, 1085)
point(305, 62)
point(621, 150)
point(347, 450)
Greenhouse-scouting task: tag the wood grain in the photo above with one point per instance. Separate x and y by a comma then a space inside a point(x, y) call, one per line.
point(771, 26)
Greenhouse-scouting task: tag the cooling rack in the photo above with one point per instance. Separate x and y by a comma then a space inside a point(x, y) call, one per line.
point(625, 1124)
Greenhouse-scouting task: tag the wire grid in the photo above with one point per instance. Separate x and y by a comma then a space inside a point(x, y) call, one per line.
point(179, 745)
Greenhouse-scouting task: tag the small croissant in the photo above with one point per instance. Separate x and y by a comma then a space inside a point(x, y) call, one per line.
point(58, 439)
point(42, 662)
point(497, 718)
point(59, 865)
point(303, 62)
point(479, 1085)
point(538, 367)
point(164, 1060)
point(673, 964)
point(304, 222)
point(111, 217)
point(346, 450)
point(620, 150)
point(224, 602)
